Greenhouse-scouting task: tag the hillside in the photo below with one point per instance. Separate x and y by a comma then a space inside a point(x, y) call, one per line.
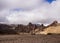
point(33, 29)
point(53, 28)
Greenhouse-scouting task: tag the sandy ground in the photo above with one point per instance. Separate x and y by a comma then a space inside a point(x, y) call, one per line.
point(29, 38)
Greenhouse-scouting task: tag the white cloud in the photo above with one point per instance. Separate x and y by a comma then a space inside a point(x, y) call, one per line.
point(35, 11)
point(25, 17)
point(25, 4)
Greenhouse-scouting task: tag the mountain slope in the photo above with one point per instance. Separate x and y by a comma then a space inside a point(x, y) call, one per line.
point(54, 29)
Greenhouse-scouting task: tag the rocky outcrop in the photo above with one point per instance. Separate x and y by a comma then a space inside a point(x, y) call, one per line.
point(30, 28)
point(25, 28)
point(53, 28)
point(6, 29)
point(53, 24)
point(15, 29)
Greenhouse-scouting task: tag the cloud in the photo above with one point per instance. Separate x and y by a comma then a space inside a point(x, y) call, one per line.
point(24, 17)
point(25, 11)
point(24, 4)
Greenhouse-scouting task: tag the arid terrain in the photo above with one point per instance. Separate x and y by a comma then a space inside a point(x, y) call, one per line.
point(31, 33)
point(30, 39)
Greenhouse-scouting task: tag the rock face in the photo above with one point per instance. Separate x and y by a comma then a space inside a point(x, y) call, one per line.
point(53, 24)
point(14, 29)
point(25, 28)
point(6, 29)
point(30, 28)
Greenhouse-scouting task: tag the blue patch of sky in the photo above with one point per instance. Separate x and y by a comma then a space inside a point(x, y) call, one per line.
point(17, 9)
point(50, 1)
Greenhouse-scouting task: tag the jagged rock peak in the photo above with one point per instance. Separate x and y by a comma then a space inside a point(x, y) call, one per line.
point(54, 23)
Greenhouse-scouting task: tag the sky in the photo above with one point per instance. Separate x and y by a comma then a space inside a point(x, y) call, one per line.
point(50, 1)
point(25, 11)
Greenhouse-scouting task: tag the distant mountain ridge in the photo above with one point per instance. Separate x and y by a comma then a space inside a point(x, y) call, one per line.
point(30, 28)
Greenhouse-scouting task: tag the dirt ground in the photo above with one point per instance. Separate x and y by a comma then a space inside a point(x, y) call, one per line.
point(29, 38)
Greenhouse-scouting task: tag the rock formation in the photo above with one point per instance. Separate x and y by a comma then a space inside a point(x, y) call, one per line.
point(6, 29)
point(20, 28)
point(54, 23)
